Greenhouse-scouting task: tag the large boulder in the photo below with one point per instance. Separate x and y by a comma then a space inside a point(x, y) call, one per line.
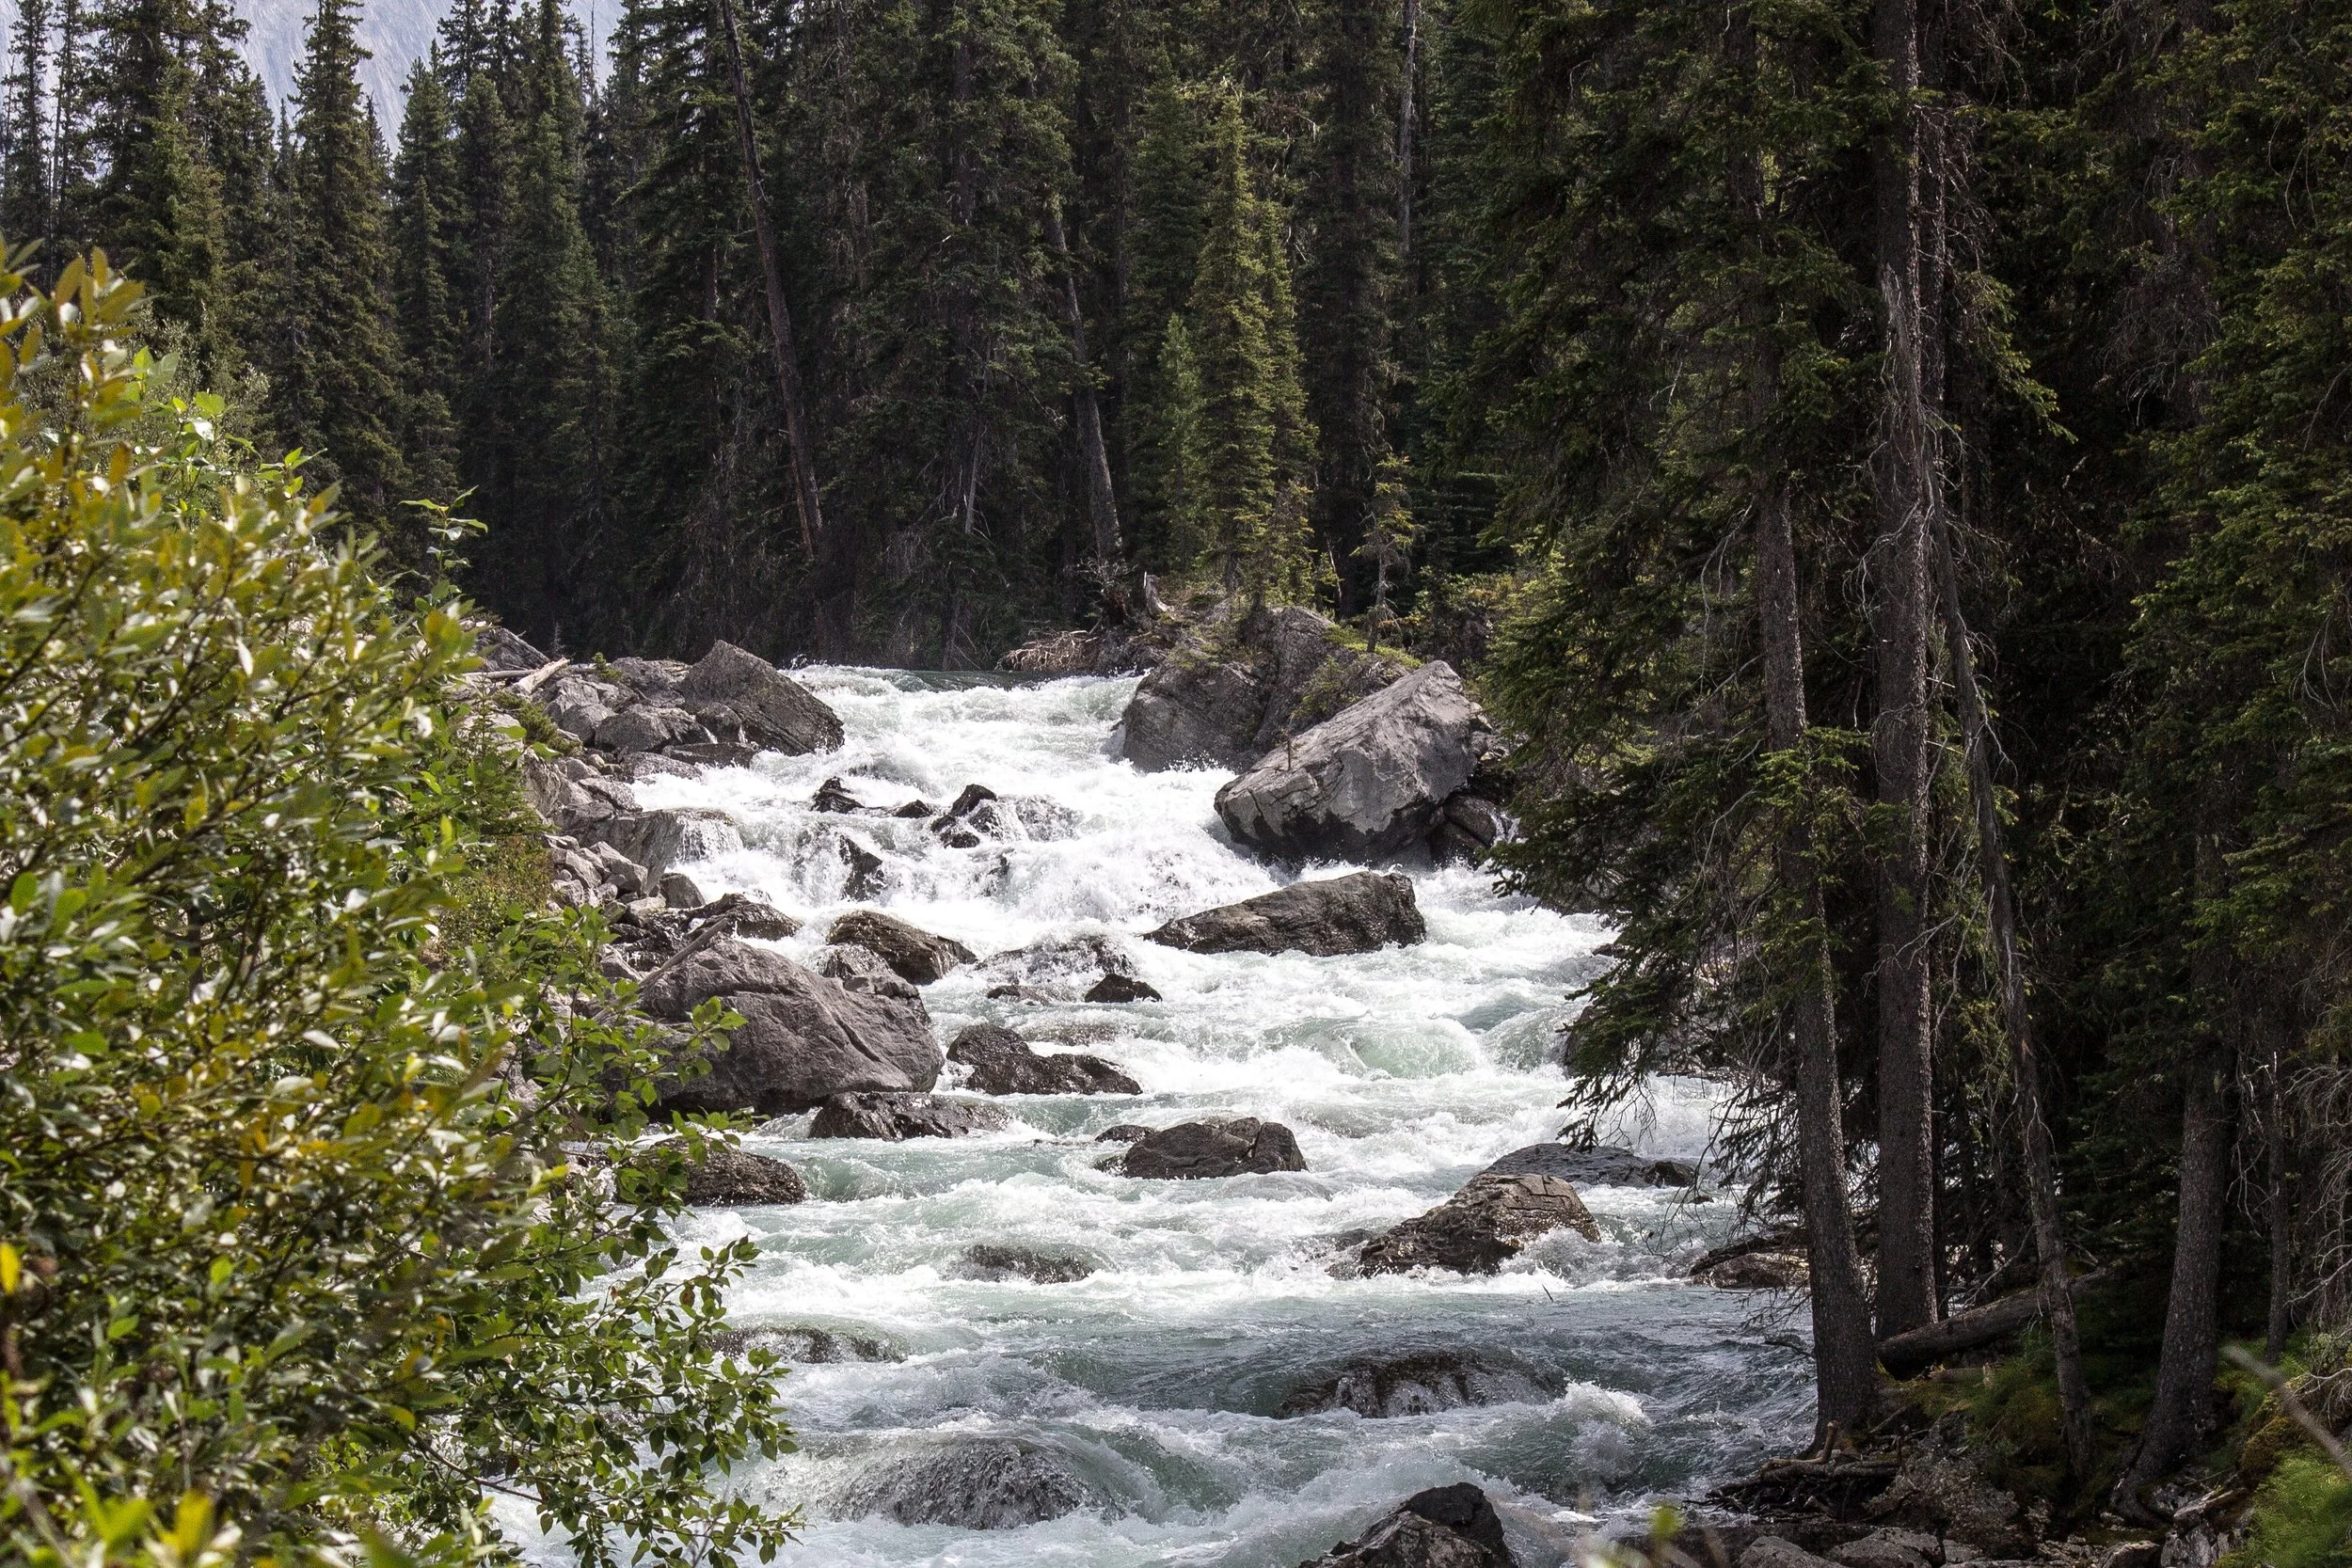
point(1446, 1527)
point(986, 1484)
point(862, 969)
point(1480, 1228)
point(500, 649)
point(1002, 1063)
point(1367, 783)
point(1605, 1166)
point(804, 1039)
point(1414, 1386)
point(579, 704)
point(1359, 912)
point(659, 840)
point(1243, 1146)
point(915, 954)
point(895, 1118)
point(736, 691)
point(1062, 969)
point(1233, 691)
point(994, 1264)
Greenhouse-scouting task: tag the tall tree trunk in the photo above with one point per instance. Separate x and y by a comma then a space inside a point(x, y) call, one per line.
point(2177, 1419)
point(1845, 1358)
point(2049, 1234)
point(804, 493)
point(1101, 503)
point(2280, 1207)
point(1908, 499)
point(1405, 135)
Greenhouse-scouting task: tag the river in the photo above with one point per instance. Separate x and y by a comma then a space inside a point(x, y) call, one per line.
point(1151, 1388)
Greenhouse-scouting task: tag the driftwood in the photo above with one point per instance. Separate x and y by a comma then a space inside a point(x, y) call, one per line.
point(1908, 1354)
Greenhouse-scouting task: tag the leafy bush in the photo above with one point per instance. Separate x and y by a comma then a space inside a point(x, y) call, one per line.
point(313, 1226)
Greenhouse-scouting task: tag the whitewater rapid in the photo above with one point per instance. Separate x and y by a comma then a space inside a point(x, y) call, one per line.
point(1153, 1383)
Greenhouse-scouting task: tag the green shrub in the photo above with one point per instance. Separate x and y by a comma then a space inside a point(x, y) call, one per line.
point(311, 1227)
point(2302, 1518)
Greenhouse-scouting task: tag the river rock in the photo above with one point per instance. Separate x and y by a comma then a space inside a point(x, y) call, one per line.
point(1193, 1150)
point(579, 704)
point(1771, 1551)
point(996, 1264)
point(915, 954)
point(1414, 1386)
point(1467, 826)
point(1606, 1167)
point(862, 969)
point(1002, 1063)
point(1125, 1132)
point(740, 914)
point(1359, 912)
point(1941, 1488)
point(1756, 1271)
point(1062, 969)
point(681, 892)
point(804, 1039)
point(1890, 1548)
point(895, 1118)
point(833, 796)
point(1234, 690)
point(627, 877)
point(732, 690)
point(1120, 988)
point(500, 649)
point(728, 1176)
point(659, 839)
point(989, 1483)
point(644, 727)
point(810, 1345)
point(1366, 785)
point(1446, 1527)
point(1481, 1226)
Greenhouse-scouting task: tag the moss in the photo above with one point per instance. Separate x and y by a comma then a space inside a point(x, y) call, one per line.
point(2301, 1518)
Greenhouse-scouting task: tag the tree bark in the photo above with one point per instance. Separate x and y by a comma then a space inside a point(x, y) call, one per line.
point(1922, 1348)
point(2041, 1157)
point(1845, 1358)
point(1102, 502)
point(2279, 1204)
point(805, 492)
point(1904, 476)
point(2177, 1417)
point(1405, 134)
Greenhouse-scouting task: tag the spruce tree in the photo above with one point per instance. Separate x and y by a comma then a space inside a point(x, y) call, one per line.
point(424, 229)
point(336, 380)
point(24, 174)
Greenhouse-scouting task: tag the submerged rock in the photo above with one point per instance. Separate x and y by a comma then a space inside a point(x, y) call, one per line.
point(1446, 1527)
point(989, 1483)
point(1189, 1150)
point(728, 1176)
point(995, 1264)
point(734, 690)
point(1062, 969)
point(895, 1118)
point(1002, 1063)
point(1120, 988)
point(1359, 912)
point(1480, 1228)
point(1414, 1386)
point(1366, 785)
point(1125, 1132)
point(803, 1040)
point(915, 954)
point(1606, 1167)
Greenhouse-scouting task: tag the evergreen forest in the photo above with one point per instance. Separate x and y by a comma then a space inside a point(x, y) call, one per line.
point(1884, 464)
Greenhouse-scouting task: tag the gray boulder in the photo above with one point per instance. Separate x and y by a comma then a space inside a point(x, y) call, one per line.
point(1446, 1527)
point(1605, 1166)
point(654, 680)
point(579, 704)
point(729, 1177)
point(734, 690)
point(1063, 970)
point(1002, 1063)
point(1467, 826)
point(1192, 1150)
point(500, 649)
point(1366, 785)
point(627, 877)
point(1756, 1271)
point(915, 954)
point(804, 1039)
point(992, 1483)
point(1480, 1228)
point(895, 1118)
point(659, 840)
point(1414, 1386)
point(1359, 912)
point(1233, 691)
point(644, 727)
point(681, 892)
point(862, 969)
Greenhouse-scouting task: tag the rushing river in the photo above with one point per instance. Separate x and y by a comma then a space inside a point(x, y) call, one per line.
point(1153, 1385)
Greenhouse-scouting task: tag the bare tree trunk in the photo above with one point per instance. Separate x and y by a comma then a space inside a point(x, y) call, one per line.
point(1101, 503)
point(1405, 134)
point(2049, 1234)
point(2280, 1207)
point(1904, 475)
point(2177, 1419)
point(804, 494)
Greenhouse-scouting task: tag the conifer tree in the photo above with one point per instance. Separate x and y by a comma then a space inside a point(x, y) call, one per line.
point(336, 383)
point(424, 229)
point(24, 174)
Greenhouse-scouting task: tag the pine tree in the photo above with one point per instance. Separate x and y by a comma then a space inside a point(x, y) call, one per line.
point(336, 380)
point(425, 229)
point(25, 204)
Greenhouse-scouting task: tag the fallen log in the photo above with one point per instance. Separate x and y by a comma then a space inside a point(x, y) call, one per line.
point(1910, 1353)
